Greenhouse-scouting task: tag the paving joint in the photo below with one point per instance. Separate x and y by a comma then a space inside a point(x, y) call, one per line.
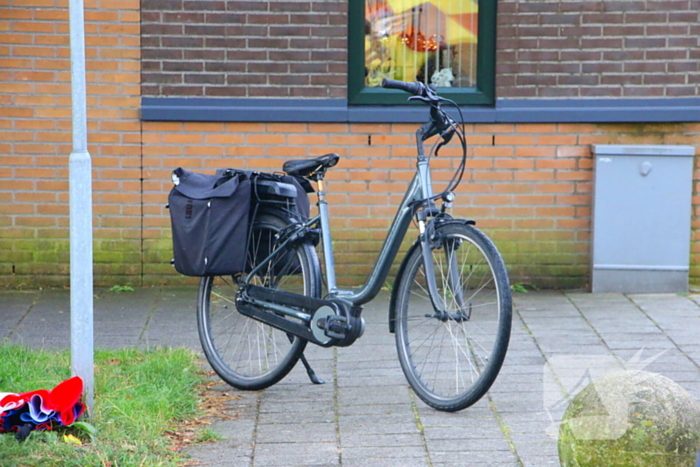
point(336, 407)
point(256, 425)
point(561, 385)
point(149, 317)
point(22, 318)
point(504, 429)
point(421, 428)
point(590, 325)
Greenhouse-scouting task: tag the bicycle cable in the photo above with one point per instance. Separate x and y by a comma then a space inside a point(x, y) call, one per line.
point(459, 172)
point(460, 132)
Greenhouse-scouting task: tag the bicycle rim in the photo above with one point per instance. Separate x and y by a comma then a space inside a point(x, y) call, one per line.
point(452, 356)
point(244, 352)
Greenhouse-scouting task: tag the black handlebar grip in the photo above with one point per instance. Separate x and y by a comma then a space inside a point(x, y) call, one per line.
point(412, 88)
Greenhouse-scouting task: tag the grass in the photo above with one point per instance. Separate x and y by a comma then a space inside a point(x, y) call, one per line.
point(140, 396)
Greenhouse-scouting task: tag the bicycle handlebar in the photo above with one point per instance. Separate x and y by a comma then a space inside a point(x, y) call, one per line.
point(417, 88)
point(440, 124)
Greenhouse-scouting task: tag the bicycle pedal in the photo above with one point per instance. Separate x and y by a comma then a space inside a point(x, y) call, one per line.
point(336, 326)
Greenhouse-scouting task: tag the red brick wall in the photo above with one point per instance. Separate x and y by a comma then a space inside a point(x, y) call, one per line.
point(527, 185)
point(35, 138)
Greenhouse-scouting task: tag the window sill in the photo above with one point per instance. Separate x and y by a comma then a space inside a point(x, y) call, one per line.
point(338, 111)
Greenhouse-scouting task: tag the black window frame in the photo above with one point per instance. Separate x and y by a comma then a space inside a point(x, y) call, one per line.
point(482, 94)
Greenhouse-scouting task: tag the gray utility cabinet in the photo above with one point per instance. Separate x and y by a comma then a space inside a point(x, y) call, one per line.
point(641, 218)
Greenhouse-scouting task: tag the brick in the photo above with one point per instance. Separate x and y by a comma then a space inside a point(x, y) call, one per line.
point(120, 174)
point(344, 139)
point(16, 63)
point(34, 148)
point(513, 164)
point(507, 140)
point(18, 88)
point(558, 140)
point(203, 151)
point(119, 4)
point(267, 67)
point(493, 176)
point(574, 199)
point(7, 38)
point(561, 211)
point(34, 221)
point(45, 27)
point(120, 29)
point(574, 175)
point(536, 151)
point(27, 75)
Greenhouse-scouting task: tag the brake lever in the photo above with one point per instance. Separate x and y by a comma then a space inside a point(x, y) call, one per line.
point(446, 138)
point(449, 127)
point(427, 100)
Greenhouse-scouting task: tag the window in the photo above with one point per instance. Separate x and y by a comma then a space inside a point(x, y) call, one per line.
point(447, 43)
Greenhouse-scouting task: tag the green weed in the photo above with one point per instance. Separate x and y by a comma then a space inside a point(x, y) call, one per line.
point(207, 435)
point(523, 287)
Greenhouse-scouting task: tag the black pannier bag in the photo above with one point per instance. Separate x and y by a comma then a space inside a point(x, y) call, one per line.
point(209, 215)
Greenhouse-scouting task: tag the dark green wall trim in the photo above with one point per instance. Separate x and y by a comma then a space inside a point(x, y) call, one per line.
point(337, 110)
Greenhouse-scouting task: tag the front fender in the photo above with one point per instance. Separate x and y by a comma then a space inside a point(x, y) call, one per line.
point(439, 223)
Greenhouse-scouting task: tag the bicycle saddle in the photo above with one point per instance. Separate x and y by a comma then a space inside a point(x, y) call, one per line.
point(308, 167)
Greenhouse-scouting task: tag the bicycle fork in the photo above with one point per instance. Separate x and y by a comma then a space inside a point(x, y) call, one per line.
point(428, 239)
point(429, 268)
point(427, 231)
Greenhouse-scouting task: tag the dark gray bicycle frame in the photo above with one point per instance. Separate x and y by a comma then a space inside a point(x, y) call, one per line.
point(419, 190)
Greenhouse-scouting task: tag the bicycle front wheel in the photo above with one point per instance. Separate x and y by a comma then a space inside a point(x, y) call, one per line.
point(451, 356)
point(244, 352)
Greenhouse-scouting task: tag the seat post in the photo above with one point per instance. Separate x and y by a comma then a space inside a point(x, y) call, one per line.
point(326, 236)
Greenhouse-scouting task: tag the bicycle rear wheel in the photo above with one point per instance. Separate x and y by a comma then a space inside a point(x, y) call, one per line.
point(244, 352)
point(452, 356)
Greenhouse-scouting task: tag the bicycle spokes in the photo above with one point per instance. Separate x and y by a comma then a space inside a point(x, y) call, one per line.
point(452, 355)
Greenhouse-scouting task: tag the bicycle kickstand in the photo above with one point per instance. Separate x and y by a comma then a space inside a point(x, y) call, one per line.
point(309, 371)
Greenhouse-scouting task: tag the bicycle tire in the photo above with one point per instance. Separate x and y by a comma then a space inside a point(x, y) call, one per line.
point(244, 352)
point(451, 362)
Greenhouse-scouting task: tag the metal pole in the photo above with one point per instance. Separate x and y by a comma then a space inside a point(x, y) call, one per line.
point(80, 182)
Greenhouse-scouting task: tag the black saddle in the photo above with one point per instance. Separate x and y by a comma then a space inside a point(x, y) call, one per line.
point(310, 167)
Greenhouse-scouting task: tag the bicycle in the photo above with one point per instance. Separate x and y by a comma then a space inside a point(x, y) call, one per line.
point(450, 307)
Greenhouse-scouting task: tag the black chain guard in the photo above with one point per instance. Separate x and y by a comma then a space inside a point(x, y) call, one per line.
point(341, 329)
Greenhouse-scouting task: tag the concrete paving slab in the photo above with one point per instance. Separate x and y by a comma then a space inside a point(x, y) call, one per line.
point(366, 415)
